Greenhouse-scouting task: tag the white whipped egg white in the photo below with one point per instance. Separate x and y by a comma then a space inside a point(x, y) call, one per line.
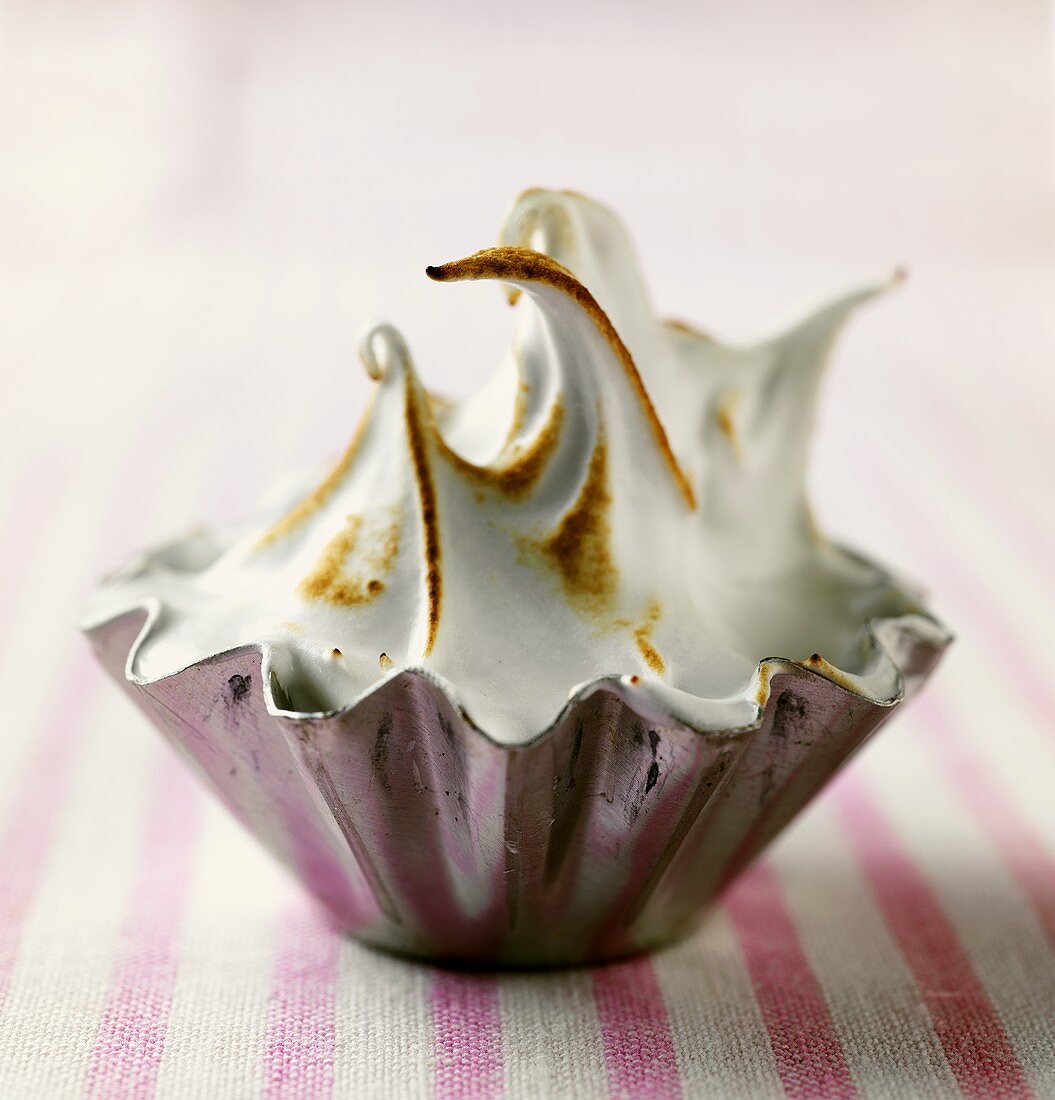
point(625, 499)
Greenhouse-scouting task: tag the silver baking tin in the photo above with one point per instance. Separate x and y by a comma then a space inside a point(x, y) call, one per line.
point(607, 835)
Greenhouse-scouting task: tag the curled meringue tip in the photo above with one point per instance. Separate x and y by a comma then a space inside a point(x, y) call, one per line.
point(442, 273)
point(383, 351)
point(508, 263)
point(537, 218)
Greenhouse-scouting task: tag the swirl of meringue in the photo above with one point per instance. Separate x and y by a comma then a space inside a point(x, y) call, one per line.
point(624, 502)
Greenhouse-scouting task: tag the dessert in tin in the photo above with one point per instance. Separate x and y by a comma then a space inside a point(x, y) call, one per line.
point(527, 678)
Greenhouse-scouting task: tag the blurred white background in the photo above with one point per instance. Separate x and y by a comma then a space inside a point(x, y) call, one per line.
point(204, 200)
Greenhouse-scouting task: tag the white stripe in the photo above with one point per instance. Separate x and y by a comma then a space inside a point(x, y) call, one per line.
point(720, 1039)
point(1000, 731)
point(219, 1008)
point(999, 932)
point(59, 981)
point(383, 1026)
point(551, 1036)
point(870, 991)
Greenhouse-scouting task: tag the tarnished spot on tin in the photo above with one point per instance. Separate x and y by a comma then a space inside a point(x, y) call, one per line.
point(648, 781)
point(643, 638)
point(520, 264)
point(580, 549)
point(350, 570)
point(238, 687)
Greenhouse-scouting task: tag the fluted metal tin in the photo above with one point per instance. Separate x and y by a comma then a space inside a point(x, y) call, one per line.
point(606, 835)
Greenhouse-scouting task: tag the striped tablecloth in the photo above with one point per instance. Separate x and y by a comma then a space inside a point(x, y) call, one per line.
point(898, 941)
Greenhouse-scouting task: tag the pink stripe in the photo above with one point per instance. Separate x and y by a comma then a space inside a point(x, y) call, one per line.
point(638, 1047)
point(301, 1029)
point(34, 816)
point(35, 812)
point(467, 1030)
point(809, 1056)
point(131, 1036)
point(966, 1023)
point(1027, 857)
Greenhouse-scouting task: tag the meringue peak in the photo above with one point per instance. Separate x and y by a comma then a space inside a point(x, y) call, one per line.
point(625, 499)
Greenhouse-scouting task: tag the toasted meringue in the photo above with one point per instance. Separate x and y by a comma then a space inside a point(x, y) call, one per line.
point(624, 501)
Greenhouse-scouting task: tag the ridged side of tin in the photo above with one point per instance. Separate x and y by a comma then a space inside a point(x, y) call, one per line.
point(608, 835)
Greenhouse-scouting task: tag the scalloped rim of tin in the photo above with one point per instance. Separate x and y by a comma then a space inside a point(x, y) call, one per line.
point(921, 623)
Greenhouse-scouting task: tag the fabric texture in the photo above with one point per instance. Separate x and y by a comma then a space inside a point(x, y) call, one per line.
point(201, 201)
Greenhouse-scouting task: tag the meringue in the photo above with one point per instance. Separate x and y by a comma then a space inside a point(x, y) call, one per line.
point(623, 503)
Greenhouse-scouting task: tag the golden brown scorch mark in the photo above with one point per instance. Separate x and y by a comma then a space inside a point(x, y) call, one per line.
point(520, 402)
point(678, 325)
point(580, 549)
point(818, 664)
point(414, 415)
point(318, 496)
point(725, 414)
point(372, 558)
point(527, 266)
point(762, 695)
point(517, 475)
point(643, 637)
